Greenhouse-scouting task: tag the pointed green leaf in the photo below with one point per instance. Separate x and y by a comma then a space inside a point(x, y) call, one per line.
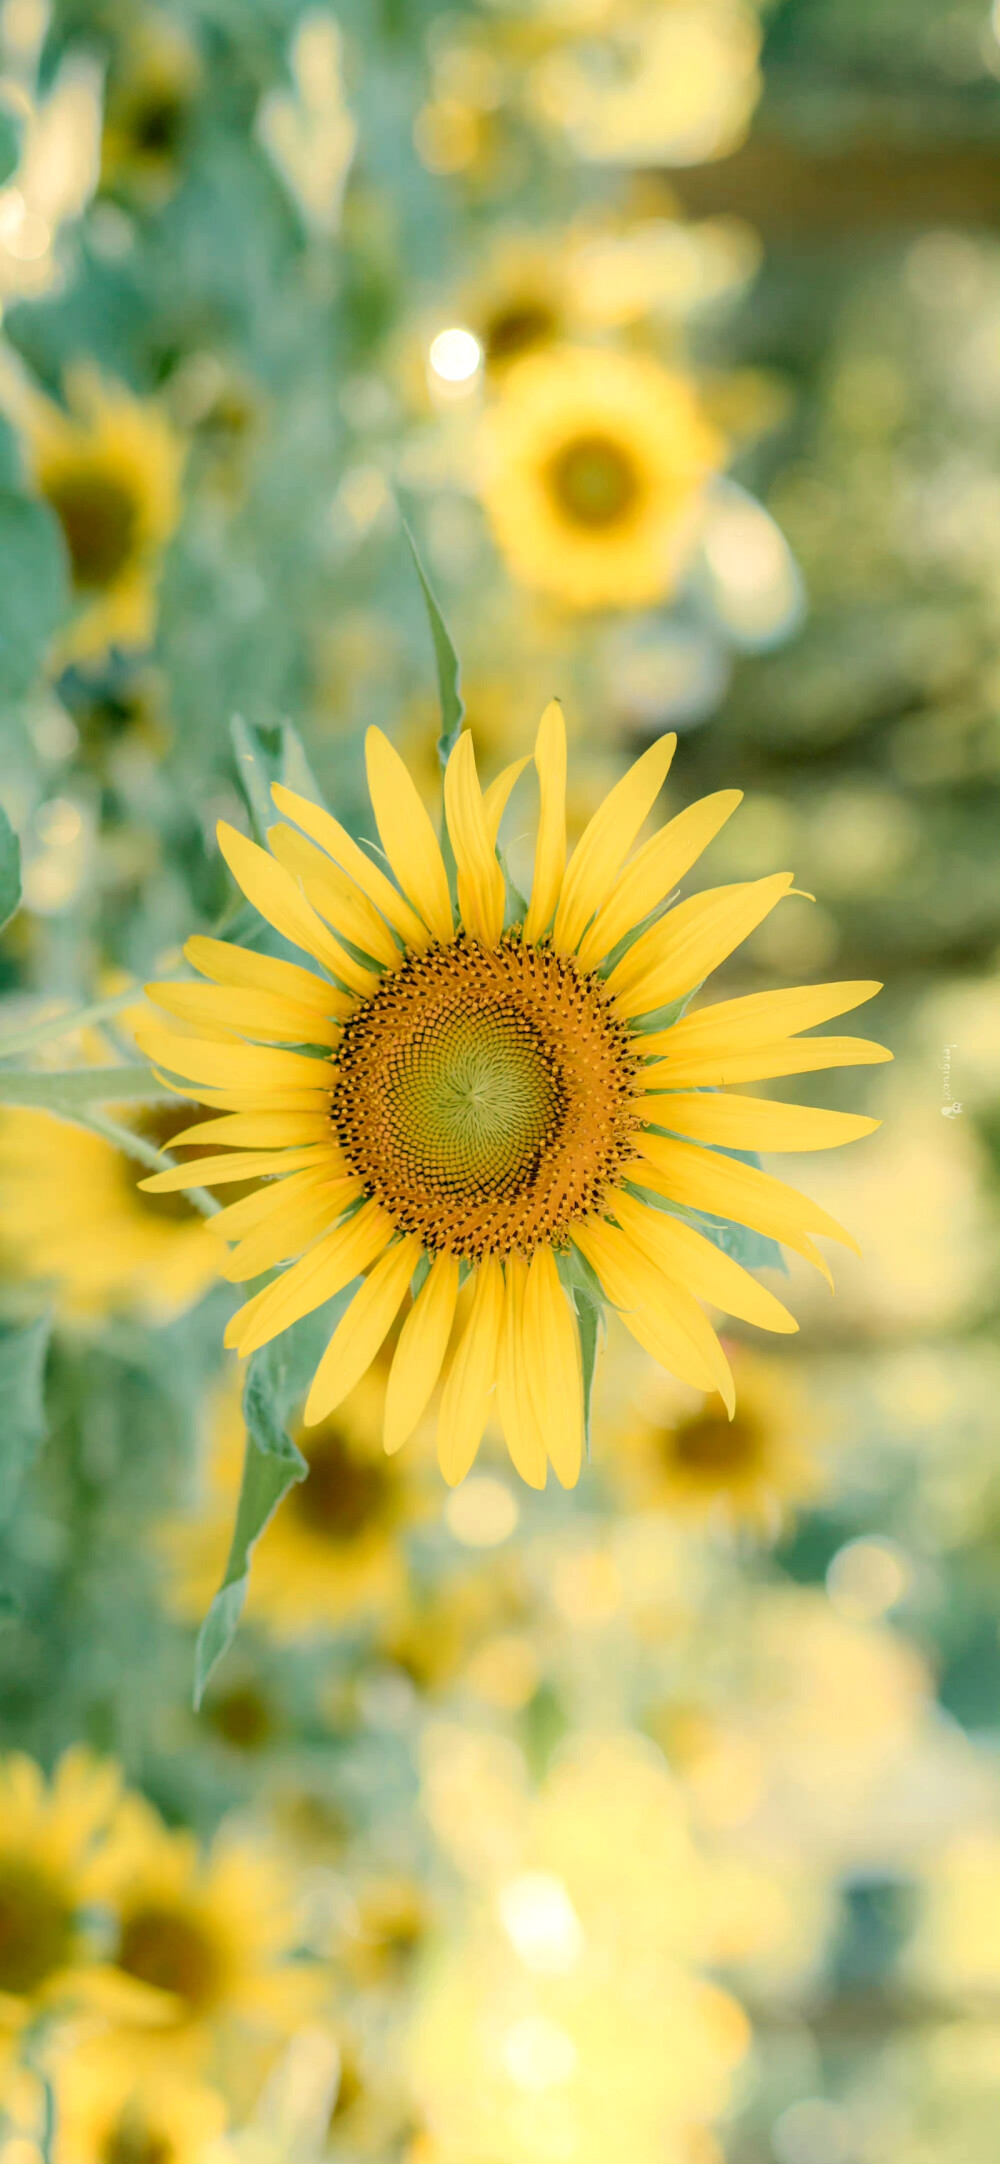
point(271, 1466)
point(449, 689)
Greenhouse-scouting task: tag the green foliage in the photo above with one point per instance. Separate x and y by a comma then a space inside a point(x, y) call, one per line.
point(446, 658)
point(32, 590)
point(10, 870)
point(265, 756)
point(22, 1371)
point(11, 138)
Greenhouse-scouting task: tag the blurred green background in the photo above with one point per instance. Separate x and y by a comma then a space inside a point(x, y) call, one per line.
point(656, 1821)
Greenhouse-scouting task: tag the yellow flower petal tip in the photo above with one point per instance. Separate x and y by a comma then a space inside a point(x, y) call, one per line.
point(486, 1094)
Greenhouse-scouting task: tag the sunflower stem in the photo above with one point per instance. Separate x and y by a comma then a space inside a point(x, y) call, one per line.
point(55, 1026)
point(68, 1091)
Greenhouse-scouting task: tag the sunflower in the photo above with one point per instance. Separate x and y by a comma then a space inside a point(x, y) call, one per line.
point(689, 1456)
point(150, 101)
point(487, 1100)
point(595, 467)
point(331, 1551)
point(110, 468)
point(522, 299)
point(109, 2111)
point(73, 1213)
point(202, 1955)
point(50, 1845)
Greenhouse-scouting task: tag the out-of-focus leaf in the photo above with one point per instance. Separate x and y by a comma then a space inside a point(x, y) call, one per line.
point(32, 588)
point(11, 133)
point(69, 1091)
point(54, 1026)
point(10, 870)
point(264, 756)
point(277, 1378)
point(22, 1425)
point(449, 688)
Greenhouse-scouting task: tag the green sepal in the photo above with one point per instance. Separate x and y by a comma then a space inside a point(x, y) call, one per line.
point(448, 671)
point(585, 1291)
point(420, 1275)
point(10, 870)
point(264, 756)
point(628, 940)
point(22, 1372)
point(664, 1017)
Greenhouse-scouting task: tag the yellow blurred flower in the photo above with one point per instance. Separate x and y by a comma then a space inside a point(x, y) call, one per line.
point(595, 465)
point(957, 1946)
point(50, 1841)
point(109, 2111)
point(147, 119)
point(72, 1214)
point(110, 468)
point(204, 1944)
point(671, 82)
point(332, 1550)
point(679, 1450)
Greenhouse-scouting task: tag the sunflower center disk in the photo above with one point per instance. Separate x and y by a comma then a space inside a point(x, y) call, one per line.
point(485, 1097)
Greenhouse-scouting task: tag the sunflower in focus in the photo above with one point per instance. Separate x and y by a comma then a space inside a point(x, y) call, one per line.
point(331, 1550)
point(595, 468)
point(690, 1457)
point(110, 469)
point(74, 1214)
point(204, 1946)
point(50, 1842)
point(503, 1109)
point(109, 2111)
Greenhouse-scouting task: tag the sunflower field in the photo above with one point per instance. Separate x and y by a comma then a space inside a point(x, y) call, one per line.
point(499, 1462)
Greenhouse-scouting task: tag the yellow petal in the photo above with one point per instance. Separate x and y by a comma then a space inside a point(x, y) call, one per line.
point(465, 1398)
point(291, 1226)
point(343, 1254)
point(340, 845)
point(691, 941)
point(480, 881)
point(655, 871)
point(551, 1348)
point(765, 1017)
point(247, 971)
point(241, 1066)
point(423, 1342)
point(495, 797)
point(662, 1318)
point(689, 1259)
point(219, 1171)
point(276, 897)
point(361, 1329)
point(240, 1217)
point(703, 1180)
point(274, 1131)
point(310, 1103)
point(407, 835)
point(522, 1431)
point(550, 848)
point(606, 841)
point(246, 1013)
point(755, 1123)
point(764, 1063)
point(335, 898)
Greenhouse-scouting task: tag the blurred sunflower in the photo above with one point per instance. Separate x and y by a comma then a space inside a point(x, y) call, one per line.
point(110, 468)
point(204, 1946)
point(331, 1550)
point(147, 118)
point(73, 1213)
point(752, 1470)
point(522, 298)
point(50, 1839)
point(109, 2111)
point(595, 467)
point(490, 1097)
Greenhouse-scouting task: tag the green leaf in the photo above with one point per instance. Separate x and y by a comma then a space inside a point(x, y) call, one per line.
point(629, 938)
point(664, 1017)
point(11, 138)
point(33, 589)
point(10, 870)
point(267, 755)
point(584, 1287)
point(67, 1024)
point(22, 1372)
point(271, 1466)
point(449, 689)
point(68, 1092)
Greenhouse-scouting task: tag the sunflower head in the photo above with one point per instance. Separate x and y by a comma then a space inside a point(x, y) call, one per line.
point(150, 103)
point(109, 466)
point(51, 1837)
point(596, 464)
point(752, 1470)
point(493, 1112)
